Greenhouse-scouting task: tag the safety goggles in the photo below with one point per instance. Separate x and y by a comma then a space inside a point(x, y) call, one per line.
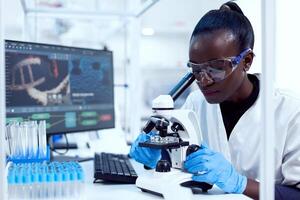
point(217, 70)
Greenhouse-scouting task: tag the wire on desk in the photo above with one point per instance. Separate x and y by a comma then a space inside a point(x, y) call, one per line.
point(67, 146)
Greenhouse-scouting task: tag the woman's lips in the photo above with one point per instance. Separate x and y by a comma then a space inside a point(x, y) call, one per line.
point(209, 92)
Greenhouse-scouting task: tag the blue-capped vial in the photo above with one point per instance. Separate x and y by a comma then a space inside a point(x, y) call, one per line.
point(11, 178)
point(50, 177)
point(58, 186)
point(50, 184)
point(58, 177)
point(11, 181)
point(27, 178)
point(42, 177)
point(80, 175)
point(66, 175)
point(34, 176)
point(73, 175)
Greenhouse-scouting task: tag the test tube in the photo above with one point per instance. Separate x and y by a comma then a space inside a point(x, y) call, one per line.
point(11, 181)
point(42, 139)
point(80, 176)
point(27, 129)
point(66, 183)
point(19, 182)
point(34, 134)
point(42, 181)
point(8, 138)
point(15, 139)
point(35, 181)
point(23, 133)
point(58, 183)
point(26, 184)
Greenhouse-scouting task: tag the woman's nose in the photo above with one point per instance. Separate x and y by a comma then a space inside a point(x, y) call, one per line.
point(204, 80)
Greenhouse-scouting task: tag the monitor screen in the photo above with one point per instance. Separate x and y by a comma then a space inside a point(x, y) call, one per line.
point(71, 88)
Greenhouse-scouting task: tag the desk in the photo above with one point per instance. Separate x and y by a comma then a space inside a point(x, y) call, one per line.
point(123, 191)
point(130, 191)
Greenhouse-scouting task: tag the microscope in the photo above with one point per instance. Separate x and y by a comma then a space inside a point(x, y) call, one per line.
point(177, 133)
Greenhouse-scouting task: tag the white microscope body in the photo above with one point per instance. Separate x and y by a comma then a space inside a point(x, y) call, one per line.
point(183, 125)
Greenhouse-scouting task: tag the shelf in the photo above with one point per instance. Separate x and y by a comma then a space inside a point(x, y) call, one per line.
point(85, 9)
point(100, 18)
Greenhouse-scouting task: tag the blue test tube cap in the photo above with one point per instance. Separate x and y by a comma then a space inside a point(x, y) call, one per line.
point(18, 173)
point(50, 177)
point(18, 178)
point(26, 178)
point(80, 175)
point(73, 175)
point(42, 177)
point(11, 178)
point(34, 177)
point(58, 177)
point(65, 176)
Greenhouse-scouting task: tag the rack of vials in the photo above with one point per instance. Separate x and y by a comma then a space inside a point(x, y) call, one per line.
point(27, 142)
point(30, 174)
point(47, 180)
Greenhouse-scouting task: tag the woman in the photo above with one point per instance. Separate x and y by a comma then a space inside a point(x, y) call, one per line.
point(221, 53)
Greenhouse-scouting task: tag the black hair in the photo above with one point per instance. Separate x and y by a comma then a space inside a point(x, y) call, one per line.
point(229, 17)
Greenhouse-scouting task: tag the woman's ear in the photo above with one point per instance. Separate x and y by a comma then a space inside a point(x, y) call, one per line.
point(248, 61)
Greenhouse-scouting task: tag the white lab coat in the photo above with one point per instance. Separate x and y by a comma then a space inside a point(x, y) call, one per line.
point(242, 149)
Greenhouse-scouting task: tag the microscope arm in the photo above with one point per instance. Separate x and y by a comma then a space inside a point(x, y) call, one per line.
point(179, 88)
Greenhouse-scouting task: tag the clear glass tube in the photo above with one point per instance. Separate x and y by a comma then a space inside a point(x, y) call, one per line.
point(23, 131)
point(42, 139)
point(34, 134)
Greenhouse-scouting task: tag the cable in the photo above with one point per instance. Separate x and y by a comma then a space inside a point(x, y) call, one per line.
point(67, 146)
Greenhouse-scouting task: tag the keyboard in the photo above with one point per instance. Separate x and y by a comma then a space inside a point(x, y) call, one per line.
point(113, 168)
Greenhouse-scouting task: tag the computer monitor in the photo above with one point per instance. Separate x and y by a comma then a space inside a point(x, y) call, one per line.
point(71, 88)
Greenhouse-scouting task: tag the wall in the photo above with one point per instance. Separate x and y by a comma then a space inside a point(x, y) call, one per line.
point(169, 50)
point(288, 44)
point(252, 10)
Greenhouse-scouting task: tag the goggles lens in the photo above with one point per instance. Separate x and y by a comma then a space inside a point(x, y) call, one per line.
point(217, 70)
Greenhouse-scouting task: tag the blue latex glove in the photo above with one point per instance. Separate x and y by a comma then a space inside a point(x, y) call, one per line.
point(211, 167)
point(144, 155)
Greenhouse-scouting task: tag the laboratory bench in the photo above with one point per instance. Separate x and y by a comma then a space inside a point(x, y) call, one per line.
point(111, 191)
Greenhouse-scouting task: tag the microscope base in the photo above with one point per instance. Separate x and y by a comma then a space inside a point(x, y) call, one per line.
point(164, 183)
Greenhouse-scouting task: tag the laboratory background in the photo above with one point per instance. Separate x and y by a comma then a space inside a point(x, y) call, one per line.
point(133, 51)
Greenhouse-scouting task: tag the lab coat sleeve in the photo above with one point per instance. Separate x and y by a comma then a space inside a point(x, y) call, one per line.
point(291, 158)
point(189, 102)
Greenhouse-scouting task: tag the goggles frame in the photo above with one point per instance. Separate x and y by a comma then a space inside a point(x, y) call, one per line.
point(207, 70)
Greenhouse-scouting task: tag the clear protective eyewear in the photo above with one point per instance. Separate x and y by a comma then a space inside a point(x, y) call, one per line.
point(219, 69)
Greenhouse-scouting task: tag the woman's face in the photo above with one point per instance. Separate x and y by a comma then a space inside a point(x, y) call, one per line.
point(217, 45)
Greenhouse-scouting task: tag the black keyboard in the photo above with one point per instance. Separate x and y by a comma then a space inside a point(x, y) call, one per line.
point(114, 168)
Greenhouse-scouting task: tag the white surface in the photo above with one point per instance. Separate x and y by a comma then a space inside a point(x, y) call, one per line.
point(287, 44)
point(123, 191)
point(113, 141)
point(163, 101)
point(165, 183)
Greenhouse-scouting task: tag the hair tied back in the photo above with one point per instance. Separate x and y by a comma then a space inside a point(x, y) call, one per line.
point(230, 5)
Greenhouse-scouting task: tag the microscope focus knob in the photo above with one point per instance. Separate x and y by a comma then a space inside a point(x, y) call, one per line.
point(193, 184)
point(191, 149)
point(163, 166)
